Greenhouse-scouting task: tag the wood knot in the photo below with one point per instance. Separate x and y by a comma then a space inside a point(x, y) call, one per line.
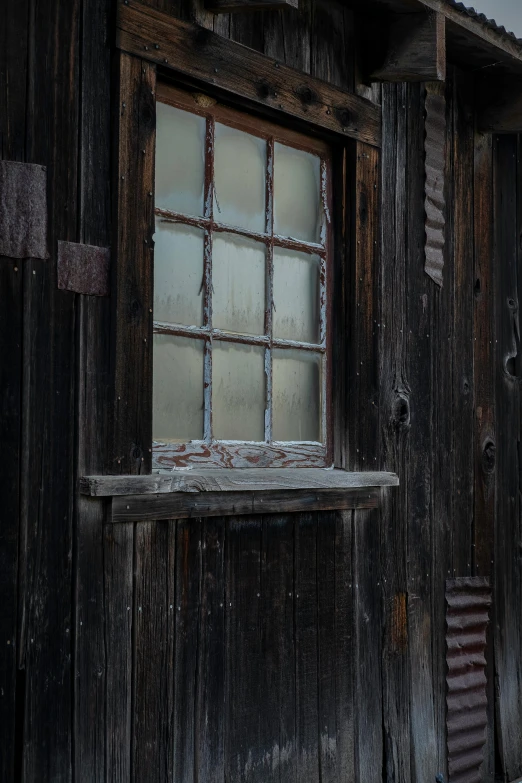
point(489, 456)
point(344, 117)
point(306, 95)
point(264, 90)
point(401, 413)
point(136, 452)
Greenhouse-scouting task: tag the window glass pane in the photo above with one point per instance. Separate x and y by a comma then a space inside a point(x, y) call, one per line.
point(238, 392)
point(297, 211)
point(178, 273)
point(296, 395)
point(180, 160)
point(239, 179)
point(296, 296)
point(177, 388)
point(238, 284)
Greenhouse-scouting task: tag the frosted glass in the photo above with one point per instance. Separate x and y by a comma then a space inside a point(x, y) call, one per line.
point(297, 211)
point(296, 296)
point(178, 274)
point(238, 284)
point(180, 160)
point(178, 404)
point(296, 390)
point(238, 392)
point(239, 179)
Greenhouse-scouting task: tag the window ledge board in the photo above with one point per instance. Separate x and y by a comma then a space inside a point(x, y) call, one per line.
point(235, 480)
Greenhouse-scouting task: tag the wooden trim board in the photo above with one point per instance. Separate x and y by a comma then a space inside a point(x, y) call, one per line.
point(203, 55)
point(143, 508)
point(240, 480)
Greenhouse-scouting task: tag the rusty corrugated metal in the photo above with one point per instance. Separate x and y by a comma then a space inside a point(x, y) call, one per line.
point(23, 210)
point(434, 187)
point(467, 616)
point(83, 269)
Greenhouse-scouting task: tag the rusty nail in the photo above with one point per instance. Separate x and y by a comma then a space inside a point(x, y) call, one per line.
point(165, 60)
point(150, 192)
point(146, 48)
point(156, 46)
point(16, 269)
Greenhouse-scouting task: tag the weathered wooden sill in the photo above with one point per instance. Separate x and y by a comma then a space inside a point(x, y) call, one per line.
point(203, 493)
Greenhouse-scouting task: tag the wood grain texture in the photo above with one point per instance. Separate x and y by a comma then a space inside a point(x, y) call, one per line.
point(13, 86)
point(222, 6)
point(416, 49)
point(130, 508)
point(197, 53)
point(234, 481)
point(93, 738)
point(485, 435)
point(48, 399)
point(508, 578)
point(132, 280)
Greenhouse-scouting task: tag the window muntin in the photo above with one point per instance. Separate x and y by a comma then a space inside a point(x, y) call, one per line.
point(243, 315)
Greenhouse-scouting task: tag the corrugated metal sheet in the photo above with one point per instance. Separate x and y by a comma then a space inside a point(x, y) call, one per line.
point(83, 269)
point(467, 616)
point(483, 19)
point(434, 187)
point(23, 210)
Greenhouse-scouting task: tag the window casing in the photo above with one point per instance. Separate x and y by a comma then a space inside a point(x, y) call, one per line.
point(242, 330)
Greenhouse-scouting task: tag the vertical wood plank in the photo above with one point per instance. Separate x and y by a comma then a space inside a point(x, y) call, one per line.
point(93, 329)
point(48, 469)
point(363, 426)
point(306, 651)
point(132, 279)
point(186, 674)
point(244, 748)
point(508, 576)
point(119, 596)
point(396, 426)
point(423, 343)
point(276, 708)
point(13, 85)
point(212, 654)
point(153, 651)
point(485, 436)
point(463, 405)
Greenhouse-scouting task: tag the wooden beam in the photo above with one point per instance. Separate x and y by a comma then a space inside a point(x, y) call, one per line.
point(225, 6)
point(499, 104)
point(416, 49)
point(146, 508)
point(207, 58)
point(245, 480)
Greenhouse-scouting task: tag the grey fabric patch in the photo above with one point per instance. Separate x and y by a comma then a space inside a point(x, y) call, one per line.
point(23, 210)
point(83, 269)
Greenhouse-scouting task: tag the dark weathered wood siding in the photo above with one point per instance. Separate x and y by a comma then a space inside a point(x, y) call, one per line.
point(304, 646)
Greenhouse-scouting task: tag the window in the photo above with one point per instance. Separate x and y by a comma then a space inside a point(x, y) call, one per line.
point(241, 282)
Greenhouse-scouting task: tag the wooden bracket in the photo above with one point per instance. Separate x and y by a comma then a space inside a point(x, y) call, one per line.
point(415, 49)
point(499, 103)
point(23, 210)
point(226, 6)
point(83, 269)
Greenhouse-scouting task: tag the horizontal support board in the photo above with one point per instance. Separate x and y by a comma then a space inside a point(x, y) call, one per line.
point(143, 508)
point(211, 59)
point(247, 480)
point(222, 6)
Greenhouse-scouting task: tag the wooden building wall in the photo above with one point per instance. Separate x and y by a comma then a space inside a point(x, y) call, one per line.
point(305, 646)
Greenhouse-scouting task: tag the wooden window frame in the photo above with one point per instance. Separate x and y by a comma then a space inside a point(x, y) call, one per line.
point(268, 453)
point(349, 123)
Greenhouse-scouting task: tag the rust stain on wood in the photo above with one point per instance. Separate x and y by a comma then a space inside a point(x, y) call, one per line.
point(83, 269)
point(399, 623)
point(23, 210)
point(434, 188)
point(467, 616)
